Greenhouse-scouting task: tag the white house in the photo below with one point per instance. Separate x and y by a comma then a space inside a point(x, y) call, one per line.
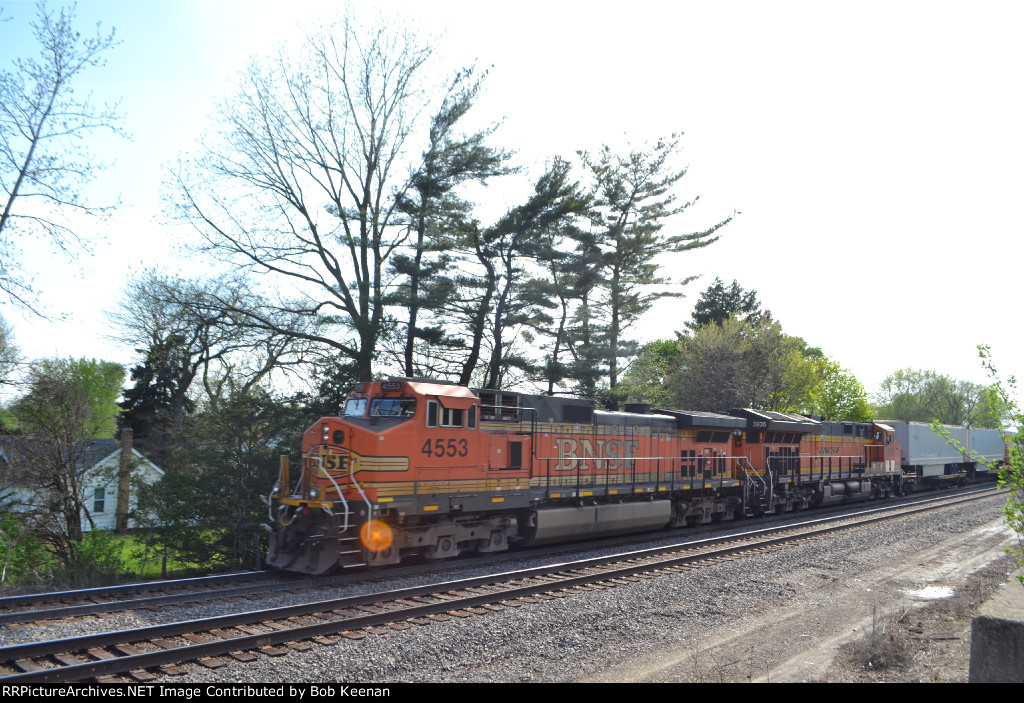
point(99, 481)
point(101, 487)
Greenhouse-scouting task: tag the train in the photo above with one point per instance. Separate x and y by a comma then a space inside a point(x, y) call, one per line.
point(427, 468)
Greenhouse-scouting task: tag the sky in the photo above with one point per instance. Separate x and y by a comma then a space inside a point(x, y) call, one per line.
point(872, 149)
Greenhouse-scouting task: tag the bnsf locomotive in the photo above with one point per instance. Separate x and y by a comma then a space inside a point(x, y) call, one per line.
point(435, 469)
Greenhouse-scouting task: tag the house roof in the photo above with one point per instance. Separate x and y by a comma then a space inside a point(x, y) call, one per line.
point(101, 450)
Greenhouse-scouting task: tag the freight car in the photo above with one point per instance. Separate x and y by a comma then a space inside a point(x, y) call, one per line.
point(929, 460)
point(434, 469)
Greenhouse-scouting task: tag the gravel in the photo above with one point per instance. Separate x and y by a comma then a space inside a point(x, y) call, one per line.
point(758, 617)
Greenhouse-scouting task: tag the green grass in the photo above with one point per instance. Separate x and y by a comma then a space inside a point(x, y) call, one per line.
point(149, 565)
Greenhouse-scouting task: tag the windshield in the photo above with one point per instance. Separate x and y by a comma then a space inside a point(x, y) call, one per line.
point(355, 407)
point(393, 407)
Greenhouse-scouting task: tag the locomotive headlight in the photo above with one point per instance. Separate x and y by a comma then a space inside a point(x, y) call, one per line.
point(277, 489)
point(327, 432)
point(376, 536)
point(314, 493)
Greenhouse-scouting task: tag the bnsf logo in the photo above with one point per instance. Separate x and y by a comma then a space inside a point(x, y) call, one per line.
point(331, 462)
point(607, 454)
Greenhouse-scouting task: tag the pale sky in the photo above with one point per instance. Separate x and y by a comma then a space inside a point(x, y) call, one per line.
point(873, 148)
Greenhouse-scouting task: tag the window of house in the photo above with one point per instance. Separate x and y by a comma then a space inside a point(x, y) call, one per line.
point(99, 500)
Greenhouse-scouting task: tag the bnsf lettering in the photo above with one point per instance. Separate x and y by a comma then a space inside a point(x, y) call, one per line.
point(828, 450)
point(601, 454)
point(331, 462)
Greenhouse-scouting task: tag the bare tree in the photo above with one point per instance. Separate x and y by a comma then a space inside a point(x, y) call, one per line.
point(43, 160)
point(188, 336)
point(304, 181)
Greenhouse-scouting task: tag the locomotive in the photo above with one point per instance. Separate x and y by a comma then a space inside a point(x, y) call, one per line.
point(429, 468)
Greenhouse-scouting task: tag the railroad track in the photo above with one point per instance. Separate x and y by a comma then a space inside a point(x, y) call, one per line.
point(145, 654)
point(42, 607)
point(35, 607)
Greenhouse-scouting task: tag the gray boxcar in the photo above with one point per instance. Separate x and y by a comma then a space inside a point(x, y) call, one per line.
point(929, 456)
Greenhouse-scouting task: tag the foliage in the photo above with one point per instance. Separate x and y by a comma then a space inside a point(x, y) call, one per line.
point(188, 338)
point(633, 202)
point(646, 379)
point(741, 364)
point(436, 215)
point(839, 395)
point(1011, 474)
point(9, 356)
point(44, 163)
point(69, 403)
point(718, 303)
point(24, 559)
point(925, 396)
point(96, 560)
point(331, 383)
point(173, 521)
point(206, 510)
point(522, 234)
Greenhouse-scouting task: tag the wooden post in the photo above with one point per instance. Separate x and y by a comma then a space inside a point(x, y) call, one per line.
point(124, 482)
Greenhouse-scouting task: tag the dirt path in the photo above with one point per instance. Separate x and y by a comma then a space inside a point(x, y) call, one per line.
point(832, 626)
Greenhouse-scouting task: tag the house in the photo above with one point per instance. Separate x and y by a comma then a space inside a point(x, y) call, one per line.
point(99, 465)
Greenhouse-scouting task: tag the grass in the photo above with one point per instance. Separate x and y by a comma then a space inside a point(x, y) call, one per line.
point(149, 563)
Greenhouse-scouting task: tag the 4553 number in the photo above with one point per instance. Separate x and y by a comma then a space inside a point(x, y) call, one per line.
point(440, 447)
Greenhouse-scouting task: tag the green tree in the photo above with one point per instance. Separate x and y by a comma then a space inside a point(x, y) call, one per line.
point(9, 356)
point(207, 509)
point(523, 235)
point(718, 303)
point(192, 343)
point(743, 364)
point(450, 160)
point(44, 161)
point(840, 396)
point(69, 403)
point(633, 203)
point(23, 559)
point(1011, 473)
point(647, 378)
point(911, 395)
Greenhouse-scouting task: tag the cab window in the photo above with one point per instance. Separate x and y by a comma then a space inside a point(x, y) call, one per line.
point(440, 416)
point(392, 407)
point(355, 407)
point(451, 417)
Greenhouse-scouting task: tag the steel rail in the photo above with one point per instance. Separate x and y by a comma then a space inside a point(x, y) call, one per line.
point(9, 602)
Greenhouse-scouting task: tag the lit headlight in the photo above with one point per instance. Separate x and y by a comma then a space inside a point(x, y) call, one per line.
point(327, 432)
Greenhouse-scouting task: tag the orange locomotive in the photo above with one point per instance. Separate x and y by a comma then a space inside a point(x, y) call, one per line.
point(434, 469)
